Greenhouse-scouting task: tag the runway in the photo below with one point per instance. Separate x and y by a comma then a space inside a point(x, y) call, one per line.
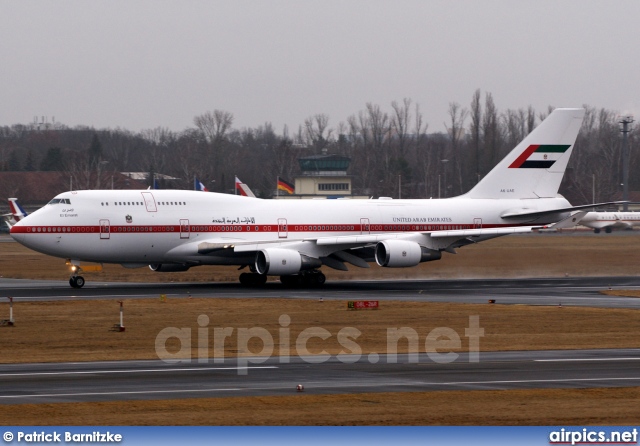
point(137, 380)
point(573, 291)
point(133, 380)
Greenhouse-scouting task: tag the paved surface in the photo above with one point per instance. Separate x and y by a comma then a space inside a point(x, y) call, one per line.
point(128, 380)
point(565, 291)
point(133, 380)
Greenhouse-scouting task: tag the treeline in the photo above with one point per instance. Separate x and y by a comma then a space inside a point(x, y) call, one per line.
point(389, 149)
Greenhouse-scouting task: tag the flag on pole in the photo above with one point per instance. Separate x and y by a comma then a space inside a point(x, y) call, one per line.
point(243, 189)
point(199, 186)
point(285, 186)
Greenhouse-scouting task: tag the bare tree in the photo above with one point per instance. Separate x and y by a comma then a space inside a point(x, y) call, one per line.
point(317, 133)
point(491, 132)
point(476, 127)
point(423, 158)
point(215, 127)
point(400, 124)
point(457, 116)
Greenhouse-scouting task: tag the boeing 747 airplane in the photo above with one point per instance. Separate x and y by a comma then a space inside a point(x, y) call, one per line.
point(174, 230)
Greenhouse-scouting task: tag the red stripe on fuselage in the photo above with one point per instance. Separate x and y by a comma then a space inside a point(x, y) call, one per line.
point(218, 229)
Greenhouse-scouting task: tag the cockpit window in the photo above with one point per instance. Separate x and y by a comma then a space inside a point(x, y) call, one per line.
point(60, 201)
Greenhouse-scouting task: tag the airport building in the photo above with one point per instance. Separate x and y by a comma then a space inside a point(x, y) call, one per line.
point(322, 176)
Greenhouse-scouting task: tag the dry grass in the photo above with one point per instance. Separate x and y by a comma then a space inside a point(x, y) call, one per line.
point(78, 330)
point(490, 407)
point(622, 293)
point(537, 255)
point(68, 331)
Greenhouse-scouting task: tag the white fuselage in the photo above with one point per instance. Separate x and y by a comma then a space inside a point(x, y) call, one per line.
point(155, 226)
point(601, 220)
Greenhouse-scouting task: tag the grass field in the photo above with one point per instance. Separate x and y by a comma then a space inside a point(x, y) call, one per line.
point(78, 330)
point(536, 255)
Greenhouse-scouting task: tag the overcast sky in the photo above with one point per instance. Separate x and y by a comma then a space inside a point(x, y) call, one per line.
point(146, 64)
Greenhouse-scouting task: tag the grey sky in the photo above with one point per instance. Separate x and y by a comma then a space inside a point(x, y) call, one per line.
point(145, 64)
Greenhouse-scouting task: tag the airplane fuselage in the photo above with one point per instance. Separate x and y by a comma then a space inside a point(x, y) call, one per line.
point(619, 220)
point(146, 227)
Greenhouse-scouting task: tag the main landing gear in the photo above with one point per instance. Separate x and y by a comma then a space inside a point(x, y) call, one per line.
point(253, 279)
point(304, 279)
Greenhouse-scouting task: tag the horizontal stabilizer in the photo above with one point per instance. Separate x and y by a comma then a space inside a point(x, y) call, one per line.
point(526, 213)
point(568, 222)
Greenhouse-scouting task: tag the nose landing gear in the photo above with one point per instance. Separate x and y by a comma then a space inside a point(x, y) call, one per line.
point(76, 281)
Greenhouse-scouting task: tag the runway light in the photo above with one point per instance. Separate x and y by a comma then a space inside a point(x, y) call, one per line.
point(299, 388)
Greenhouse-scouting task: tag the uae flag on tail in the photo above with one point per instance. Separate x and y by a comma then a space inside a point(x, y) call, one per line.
point(285, 186)
point(539, 156)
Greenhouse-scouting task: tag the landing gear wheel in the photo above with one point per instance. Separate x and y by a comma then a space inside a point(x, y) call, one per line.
point(293, 281)
point(76, 281)
point(596, 230)
point(314, 279)
point(253, 279)
point(608, 230)
point(305, 279)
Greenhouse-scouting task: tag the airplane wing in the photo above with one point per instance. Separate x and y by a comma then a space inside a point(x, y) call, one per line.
point(357, 249)
point(484, 232)
point(324, 246)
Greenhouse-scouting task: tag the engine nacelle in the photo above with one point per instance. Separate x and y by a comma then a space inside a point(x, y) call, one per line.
point(283, 262)
point(168, 267)
point(403, 253)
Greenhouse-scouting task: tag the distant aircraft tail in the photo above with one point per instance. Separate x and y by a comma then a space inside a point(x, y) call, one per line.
point(16, 210)
point(534, 169)
point(243, 189)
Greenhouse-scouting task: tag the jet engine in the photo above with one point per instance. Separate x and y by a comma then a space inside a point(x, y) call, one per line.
point(168, 267)
point(403, 253)
point(283, 262)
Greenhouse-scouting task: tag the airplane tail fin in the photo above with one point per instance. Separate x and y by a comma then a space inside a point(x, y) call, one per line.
point(534, 169)
point(16, 209)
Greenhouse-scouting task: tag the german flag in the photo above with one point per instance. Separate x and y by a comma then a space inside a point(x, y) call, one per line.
point(285, 186)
